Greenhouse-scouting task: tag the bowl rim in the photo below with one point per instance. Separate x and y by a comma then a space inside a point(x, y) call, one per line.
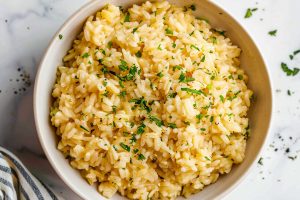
point(58, 171)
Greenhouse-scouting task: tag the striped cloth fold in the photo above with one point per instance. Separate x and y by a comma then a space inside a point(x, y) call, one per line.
point(16, 182)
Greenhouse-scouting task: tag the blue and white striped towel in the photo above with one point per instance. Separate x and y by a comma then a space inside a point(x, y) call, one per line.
point(16, 182)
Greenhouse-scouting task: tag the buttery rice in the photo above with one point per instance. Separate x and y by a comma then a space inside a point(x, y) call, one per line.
point(151, 102)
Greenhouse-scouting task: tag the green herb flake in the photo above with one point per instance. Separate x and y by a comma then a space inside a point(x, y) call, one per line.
point(172, 125)
point(260, 161)
point(122, 94)
point(123, 66)
point(222, 98)
point(172, 95)
point(249, 12)
point(141, 129)
point(289, 92)
point(141, 157)
point(85, 129)
point(159, 47)
point(193, 91)
point(207, 158)
point(104, 83)
point(127, 18)
point(296, 52)
point(174, 45)
point(125, 147)
point(109, 44)
point(177, 67)
point(203, 58)
point(157, 121)
point(103, 52)
point(132, 139)
point(202, 129)
point(85, 55)
point(121, 84)
point(114, 109)
point(240, 77)
point(199, 116)
point(160, 74)
point(131, 74)
point(169, 31)
point(138, 54)
point(273, 33)
point(135, 150)
point(288, 71)
point(60, 36)
point(195, 47)
point(193, 7)
point(214, 40)
point(211, 119)
point(134, 30)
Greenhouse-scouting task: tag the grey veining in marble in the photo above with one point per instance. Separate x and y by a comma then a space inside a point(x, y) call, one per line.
point(26, 27)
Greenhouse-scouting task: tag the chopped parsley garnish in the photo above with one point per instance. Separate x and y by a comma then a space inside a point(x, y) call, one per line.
point(131, 74)
point(141, 129)
point(103, 52)
point(222, 98)
point(184, 79)
point(199, 116)
point(203, 58)
point(114, 109)
point(177, 67)
point(104, 83)
point(289, 92)
point(193, 91)
point(174, 45)
point(288, 71)
point(157, 121)
point(125, 147)
point(296, 52)
point(159, 47)
point(172, 95)
point(142, 103)
point(134, 30)
point(273, 33)
point(249, 12)
point(260, 161)
point(234, 96)
point(135, 150)
point(211, 118)
point(240, 77)
point(127, 18)
point(122, 94)
point(82, 127)
point(141, 157)
point(195, 47)
point(169, 31)
point(123, 66)
point(214, 40)
point(138, 54)
point(160, 74)
point(207, 158)
point(132, 139)
point(109, 44)
point(60, 36)
point(121, 84)
point(193, 7)
point(85, 55)
point(115, 148)
point(202, 129)
point(172, 125)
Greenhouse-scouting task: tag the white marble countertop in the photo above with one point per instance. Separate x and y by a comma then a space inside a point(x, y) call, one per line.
point(26, 27)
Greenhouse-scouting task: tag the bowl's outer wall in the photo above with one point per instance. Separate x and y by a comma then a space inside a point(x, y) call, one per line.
point(251, 61)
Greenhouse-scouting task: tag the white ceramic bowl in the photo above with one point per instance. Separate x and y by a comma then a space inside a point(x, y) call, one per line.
point(251, 61)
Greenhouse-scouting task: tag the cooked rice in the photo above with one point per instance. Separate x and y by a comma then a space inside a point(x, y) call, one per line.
point(151, 102)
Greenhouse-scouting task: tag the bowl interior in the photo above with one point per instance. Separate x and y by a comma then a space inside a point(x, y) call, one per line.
point(251, 61)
